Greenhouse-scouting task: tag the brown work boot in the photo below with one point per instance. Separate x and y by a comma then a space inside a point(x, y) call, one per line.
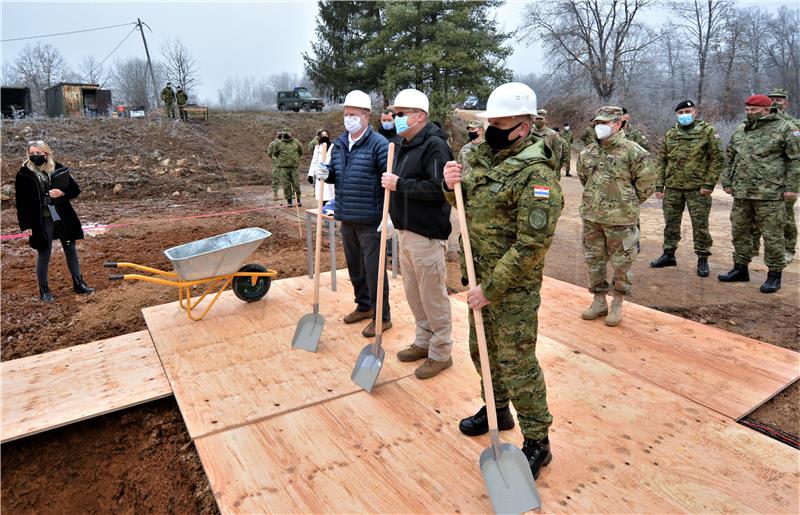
point(275, 196)
point(598, 308)
point(412, 353)
point(358, 316)
point(615, 314)
point(369, 331)
point(431, 367)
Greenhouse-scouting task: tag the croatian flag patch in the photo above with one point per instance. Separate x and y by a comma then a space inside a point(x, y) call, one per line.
point(541, 192)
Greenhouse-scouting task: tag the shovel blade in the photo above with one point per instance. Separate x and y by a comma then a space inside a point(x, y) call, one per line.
point(368, 367)
point(509, 480)
point(308, 332)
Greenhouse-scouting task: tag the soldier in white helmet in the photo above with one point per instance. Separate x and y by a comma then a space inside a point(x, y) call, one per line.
point(513, 201)
point(358, 160)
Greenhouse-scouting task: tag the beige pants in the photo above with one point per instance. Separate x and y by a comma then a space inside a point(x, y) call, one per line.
point(423, 269)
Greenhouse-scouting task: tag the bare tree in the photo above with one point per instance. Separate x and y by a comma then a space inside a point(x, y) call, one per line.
point(92, 71)
point(732, 39)
point(754, 20)
point(131, 83)
point(40, 67)
point(784, 48)
point(597, 36)
point(179, 67)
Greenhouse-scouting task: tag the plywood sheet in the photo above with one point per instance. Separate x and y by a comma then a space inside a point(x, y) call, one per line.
point(237, 366)
point(630, 448)
point(726, 372)
point(57, 388)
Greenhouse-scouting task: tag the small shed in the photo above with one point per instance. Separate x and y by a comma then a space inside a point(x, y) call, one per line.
point(16, 101)
point(74, 99)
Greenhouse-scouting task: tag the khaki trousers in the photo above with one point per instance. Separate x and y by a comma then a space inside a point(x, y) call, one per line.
point(423, 269)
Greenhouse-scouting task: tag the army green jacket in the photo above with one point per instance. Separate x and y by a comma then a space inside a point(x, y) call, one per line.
point(181, 97)
point(588, 137)
point(637, 136)
point(462, 157)
point(763, 159)
point(690, 158)
point(168, 95)
point(567, 136)
point(286, 153)
point(616, 179)
point(271, 148)
point(512, 203)
point(313, 144)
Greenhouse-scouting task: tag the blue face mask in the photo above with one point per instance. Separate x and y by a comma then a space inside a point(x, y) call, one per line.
point(387, 126)
point(685, 119)
point(401, 124)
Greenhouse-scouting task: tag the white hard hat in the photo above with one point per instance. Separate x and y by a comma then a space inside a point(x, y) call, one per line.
point(411, 98)
point(358, 98)
point(510, 99)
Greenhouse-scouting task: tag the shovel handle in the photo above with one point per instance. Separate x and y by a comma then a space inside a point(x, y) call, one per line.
point(318, 243)
point(382, 253)
point(483, 351)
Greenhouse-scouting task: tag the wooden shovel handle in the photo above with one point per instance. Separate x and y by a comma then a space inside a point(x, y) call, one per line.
point(382, 249)
point(486, 372)
point(318, 244)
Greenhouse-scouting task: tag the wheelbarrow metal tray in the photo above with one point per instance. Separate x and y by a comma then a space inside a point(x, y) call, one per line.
point(218, 255)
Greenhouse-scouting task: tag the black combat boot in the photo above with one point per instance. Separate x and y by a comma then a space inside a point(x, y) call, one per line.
point(702, 266)
point(44, 293)
point(289, 203)
point(80, 286)
point(478, 424)
point(538, 454)
point(740, 273)
point(666, 259)
point(772, 284)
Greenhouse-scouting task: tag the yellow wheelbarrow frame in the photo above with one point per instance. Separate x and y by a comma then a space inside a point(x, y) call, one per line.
point(216, 284)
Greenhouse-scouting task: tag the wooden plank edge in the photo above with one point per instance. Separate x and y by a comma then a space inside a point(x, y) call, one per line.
point(779, 390)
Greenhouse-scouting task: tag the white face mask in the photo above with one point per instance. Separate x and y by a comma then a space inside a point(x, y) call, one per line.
point(602, 130)
point(352, 124)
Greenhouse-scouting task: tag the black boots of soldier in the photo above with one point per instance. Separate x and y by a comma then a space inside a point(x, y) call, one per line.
point(702, 267)
point(772, 284)
point(538, 454)
point(45, 295)
point(740, 273)
point(478, 424)
point(80, 286)
point(666, 259)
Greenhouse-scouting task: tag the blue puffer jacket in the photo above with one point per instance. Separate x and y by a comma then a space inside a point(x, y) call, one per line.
point(357, 176)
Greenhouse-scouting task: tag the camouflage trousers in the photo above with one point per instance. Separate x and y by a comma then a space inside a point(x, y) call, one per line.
point(276, 179)
point(699, 209)
point(510, 325)
point(170, 109)
point(789, 230)
point(768, 217)
point(290, 181)
point(614, 243)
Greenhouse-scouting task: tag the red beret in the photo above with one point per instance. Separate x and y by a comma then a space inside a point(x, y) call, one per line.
point(758, 100)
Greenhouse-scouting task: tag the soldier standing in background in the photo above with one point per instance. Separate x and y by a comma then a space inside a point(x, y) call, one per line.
point(475, 134)
point(286, 158)
point(617, 178)
point(551, 138)
point(181, 98)
point(763, 173)
point(588, 137)
point(567, 136)
point(689, 165)
point(780, 103)
point(168, 97)
point(314, 142)
point(632, 133)
point(276, 177)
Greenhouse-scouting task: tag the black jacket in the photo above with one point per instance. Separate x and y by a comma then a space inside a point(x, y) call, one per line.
point(419, 204)
point(29, 198)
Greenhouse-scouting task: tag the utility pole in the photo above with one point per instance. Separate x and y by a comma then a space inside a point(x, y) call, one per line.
point(149, 63)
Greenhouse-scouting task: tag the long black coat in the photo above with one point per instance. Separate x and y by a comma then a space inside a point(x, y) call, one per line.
point(29, 210)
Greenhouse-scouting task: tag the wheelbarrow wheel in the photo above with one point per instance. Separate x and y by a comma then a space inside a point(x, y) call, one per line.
point(244, 288)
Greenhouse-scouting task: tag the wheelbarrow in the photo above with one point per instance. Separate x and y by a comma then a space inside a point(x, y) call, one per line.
point(213, 263)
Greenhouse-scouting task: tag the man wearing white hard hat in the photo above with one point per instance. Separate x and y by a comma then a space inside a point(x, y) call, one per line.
point(357, 161)
point(421, 214)
point(513, 201)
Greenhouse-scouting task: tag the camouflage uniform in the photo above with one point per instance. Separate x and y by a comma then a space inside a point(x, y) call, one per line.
point(286, 157)
point(637, 136)
point(313, 144)
point(763, 163)
point(182, 98)
point(617, 178)
point(588, 137)
point(168, 96)
point(462, 157)
point(276, 177)
point(690, 158)
point(513, 201)
point(554, 143)
point(568, 137)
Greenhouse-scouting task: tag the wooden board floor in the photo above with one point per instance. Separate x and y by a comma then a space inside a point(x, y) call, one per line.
point(57, 388)
point(236, 365)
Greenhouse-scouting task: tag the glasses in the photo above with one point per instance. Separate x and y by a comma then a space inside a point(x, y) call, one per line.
point(410, 113)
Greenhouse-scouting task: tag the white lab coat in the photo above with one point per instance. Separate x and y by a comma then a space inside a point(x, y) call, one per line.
point(328, 192)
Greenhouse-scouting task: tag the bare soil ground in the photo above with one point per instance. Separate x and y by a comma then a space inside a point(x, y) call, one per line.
point(141, 459)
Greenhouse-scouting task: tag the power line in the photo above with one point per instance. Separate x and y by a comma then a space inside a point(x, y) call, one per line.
point(71, 32)
point(118, 45)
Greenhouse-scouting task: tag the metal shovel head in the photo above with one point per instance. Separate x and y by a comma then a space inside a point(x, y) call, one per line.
point(368, 366)
point(308, 332)
point(509, 480)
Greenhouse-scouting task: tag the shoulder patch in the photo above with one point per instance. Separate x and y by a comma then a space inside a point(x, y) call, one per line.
point(538, 218)
point(796, 134)
point(716, 136)
point(541, 191)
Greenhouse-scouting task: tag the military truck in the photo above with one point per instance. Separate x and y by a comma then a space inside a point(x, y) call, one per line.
point(297, 99)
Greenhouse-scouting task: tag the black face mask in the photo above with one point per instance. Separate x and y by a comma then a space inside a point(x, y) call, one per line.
point(498, 138)
point(472, 136)
point(38, 159)
point(287, 137)
point(326, 141)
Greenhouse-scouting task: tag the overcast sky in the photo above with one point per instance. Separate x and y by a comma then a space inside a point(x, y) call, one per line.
point(226, 39)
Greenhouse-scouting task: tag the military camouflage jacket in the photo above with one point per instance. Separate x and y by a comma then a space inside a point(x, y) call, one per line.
point(168, 95)
point(181, 97)
point(271, 148)
point(690, 158)
point(462, 157)
point(616, 179)
point(763, 159)
point(554, 142)
point(286, 153)
point(567, 136)
point(512, 203)
point(637, 136)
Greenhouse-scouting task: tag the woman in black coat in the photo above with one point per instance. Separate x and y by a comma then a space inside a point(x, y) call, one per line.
point(46, 213)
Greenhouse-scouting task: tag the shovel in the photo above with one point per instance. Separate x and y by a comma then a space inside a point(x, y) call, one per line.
point(504, 467)
point(309, 327)
point(370, 361)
